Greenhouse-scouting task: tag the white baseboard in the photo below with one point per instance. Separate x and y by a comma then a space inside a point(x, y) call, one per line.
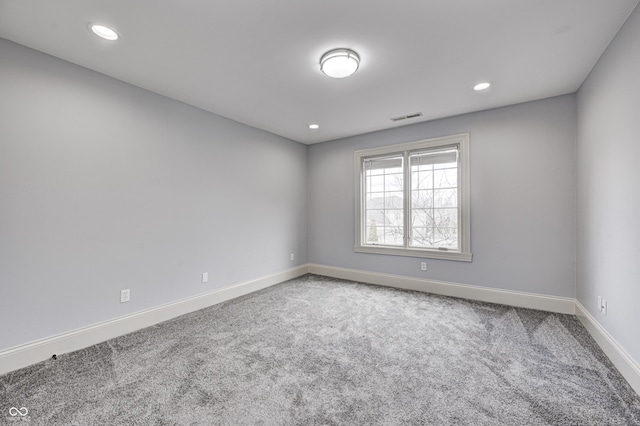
point(31, 353)
point(563, 305)
point(629, 369)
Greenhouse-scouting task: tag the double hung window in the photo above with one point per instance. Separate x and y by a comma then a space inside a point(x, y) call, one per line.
point(412, 199)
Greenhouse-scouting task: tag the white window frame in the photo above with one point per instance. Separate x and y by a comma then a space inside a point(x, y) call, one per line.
point(464, 213)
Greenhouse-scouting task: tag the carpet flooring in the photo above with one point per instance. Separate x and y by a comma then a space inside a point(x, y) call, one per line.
point(322, 351)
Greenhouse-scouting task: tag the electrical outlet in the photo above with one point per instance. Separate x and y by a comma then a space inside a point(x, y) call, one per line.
point(125, 295)
point(602, 305)
point(423, 266)
point(205, 277)
point(293, 256)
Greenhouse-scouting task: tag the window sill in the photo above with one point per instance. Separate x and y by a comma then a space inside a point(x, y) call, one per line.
point(429, 254)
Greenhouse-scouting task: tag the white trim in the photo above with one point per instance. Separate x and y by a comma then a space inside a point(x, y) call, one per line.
point(413, 252)
point(629, 369)
point(460, 140)
point(626, 365)
point(563, 305)
point(31, 353)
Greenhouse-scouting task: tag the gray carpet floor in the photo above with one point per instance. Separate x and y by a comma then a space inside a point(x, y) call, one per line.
point(321, 351)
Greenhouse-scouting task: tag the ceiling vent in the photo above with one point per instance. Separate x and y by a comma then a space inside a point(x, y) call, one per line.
point(404, 117)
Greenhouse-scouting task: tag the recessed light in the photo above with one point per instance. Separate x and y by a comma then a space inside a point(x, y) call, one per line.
point(481, 86)
point(339, 63)
point(104, 32)
point(314, 126)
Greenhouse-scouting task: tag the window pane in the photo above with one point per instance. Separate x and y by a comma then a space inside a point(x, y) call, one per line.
point(375, 184)
point(393, 218)
point(434, 199)
point(375, 201)
point(373, 219)
point(421, 179)
point(447, 178)
point(445, 198)
point(422, 218)
point(394, 200)
point(422, 199)
point(446, 217)
point(422, 236)
point(374, 234)
point(384, 201)
point(393, 236)
point(446, 237)
point(393, 182)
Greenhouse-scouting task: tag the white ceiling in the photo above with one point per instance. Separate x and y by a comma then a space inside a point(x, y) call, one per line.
point(256, 62)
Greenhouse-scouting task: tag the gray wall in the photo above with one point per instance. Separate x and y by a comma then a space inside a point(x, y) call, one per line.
point(608, 188)
point(105, 186)
point(522, 199)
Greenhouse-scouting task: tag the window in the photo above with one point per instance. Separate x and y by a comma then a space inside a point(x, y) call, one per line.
point(412, 199)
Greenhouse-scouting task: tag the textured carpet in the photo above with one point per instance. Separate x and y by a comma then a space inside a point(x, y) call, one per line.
point(323, 351)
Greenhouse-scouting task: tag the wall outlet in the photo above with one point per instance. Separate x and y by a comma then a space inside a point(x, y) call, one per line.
point(205, 277)
point(125, 295)
point(423, 266)
point(293, 256)
point(602, 305)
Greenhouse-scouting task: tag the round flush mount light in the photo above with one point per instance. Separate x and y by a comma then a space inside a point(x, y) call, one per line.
point(104, 32)
point(339, 63)
point(314, 126)
point(481, 86)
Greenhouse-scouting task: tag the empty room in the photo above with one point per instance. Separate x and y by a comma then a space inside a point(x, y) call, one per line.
point(349, 212)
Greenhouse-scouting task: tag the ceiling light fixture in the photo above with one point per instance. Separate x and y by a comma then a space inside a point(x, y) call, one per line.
point(339, 63)
point(481, 86)
point(314, 126)
point(104, 32)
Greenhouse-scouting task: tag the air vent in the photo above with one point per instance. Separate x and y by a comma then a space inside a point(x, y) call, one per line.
point(404, 117)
